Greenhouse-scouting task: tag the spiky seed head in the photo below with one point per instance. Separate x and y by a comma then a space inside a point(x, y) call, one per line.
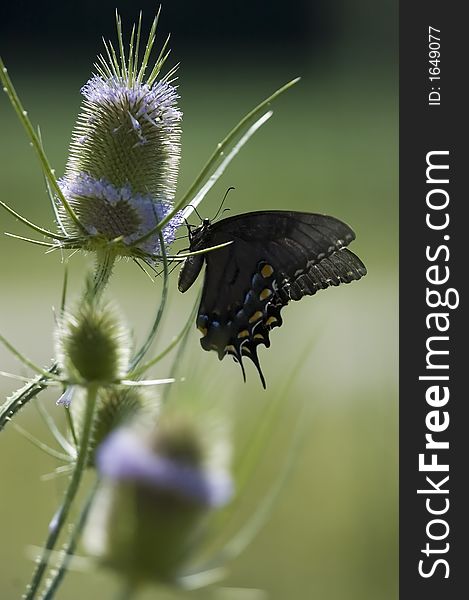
point(121, 174)
point(93, 345)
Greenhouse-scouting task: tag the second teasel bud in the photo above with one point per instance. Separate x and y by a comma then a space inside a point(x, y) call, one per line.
point(92, 345)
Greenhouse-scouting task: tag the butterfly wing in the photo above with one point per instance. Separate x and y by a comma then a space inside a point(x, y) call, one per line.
point(275, 257)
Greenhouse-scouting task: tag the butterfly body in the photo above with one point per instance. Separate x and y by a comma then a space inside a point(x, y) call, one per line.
point(272, 257)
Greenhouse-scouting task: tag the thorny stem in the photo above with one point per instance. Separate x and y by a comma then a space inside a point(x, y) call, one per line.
point(60, 518)
point(20, 398)
point(53, 584)
point(105, 260)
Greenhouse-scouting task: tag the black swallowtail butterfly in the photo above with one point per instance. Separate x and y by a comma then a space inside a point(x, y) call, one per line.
point(274, 257)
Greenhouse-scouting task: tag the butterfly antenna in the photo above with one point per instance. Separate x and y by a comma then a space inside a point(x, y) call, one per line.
point(222, 202)
point(196, 212)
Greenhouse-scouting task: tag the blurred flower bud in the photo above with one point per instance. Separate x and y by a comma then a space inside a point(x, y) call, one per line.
point(121, 173)
point(92, 345)
point(157, 489)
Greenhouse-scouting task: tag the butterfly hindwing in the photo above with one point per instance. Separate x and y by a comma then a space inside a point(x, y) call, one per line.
point(274, 257)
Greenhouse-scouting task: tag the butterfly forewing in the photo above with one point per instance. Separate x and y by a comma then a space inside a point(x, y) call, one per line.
point(275, 257)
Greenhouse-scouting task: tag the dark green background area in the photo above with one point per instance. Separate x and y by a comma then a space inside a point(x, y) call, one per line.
point(330, 147)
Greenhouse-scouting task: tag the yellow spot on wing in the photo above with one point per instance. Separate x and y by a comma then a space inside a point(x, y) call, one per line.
point(203, 330)
point(256, 316)
point(266, 271)
point(243, 334)
point(258, 336)
point(271, 321)
point(265, 294)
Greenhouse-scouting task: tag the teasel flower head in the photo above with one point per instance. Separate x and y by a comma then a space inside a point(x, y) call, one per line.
point(92, 346)
point(157, 489)
point(120, 177)
point(117, 196)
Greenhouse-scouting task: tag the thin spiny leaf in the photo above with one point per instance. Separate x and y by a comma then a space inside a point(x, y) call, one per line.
point(30, 224)
point(41, 445)
point(71, 426)
point(113, 61)
point(58, 472)
point(168, 78)
point(148, 48)
point(131, 57)
point(146, 382)
point(30, 240)
point(102, 67)
point(120, 41)
point(27, 125)
point(49, 191)
point(15, 376)
point(137, 47)
point(162, 57)
point(26, 361)
point(54, 430)
point(111, 66)
point(64, 289)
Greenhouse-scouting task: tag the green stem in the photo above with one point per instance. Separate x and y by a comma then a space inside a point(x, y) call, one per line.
point(61, 516)
point(105, 260)
point(53, 583)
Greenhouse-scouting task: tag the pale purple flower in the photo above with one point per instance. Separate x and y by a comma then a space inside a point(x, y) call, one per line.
point(125, 456)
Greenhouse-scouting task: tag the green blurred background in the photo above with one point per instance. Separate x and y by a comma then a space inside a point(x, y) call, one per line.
point(331, 147)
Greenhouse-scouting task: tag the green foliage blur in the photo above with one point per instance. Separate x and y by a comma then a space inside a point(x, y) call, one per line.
point(331, 147)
